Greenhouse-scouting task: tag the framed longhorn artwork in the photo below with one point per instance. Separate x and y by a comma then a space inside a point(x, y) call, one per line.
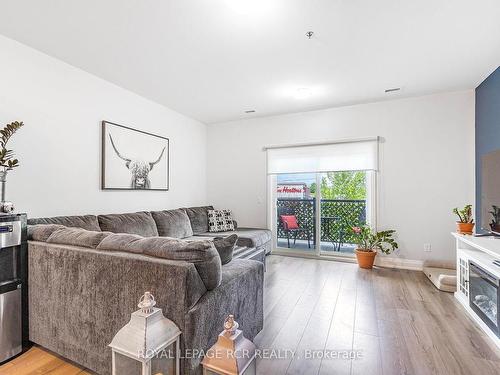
point(133, 159)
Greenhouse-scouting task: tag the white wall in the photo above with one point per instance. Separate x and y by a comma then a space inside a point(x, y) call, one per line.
point(59, 148)
point(426, 165)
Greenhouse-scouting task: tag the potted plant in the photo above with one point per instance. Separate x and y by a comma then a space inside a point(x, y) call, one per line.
point(465, 224)
point(495, 222)
point(7, 160)
point(370, 241)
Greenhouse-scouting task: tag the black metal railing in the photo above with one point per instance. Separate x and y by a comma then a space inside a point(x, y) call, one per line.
point(337, 217)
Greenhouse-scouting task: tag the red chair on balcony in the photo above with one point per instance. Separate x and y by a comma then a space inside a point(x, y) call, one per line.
point(290, 225)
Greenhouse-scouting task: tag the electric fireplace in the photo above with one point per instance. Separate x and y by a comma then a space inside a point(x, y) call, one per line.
point(484, 296)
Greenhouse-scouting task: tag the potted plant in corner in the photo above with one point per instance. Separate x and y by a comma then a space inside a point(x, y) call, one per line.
point(370, 241)
point(465, 223)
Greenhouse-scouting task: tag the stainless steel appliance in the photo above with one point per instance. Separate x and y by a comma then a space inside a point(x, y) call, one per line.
point(484, 296)
point(13, 285)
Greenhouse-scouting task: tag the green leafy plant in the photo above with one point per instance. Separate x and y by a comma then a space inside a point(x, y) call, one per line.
point(7, 160)
point(465, 214)
point(370, 240)
point(496, 215)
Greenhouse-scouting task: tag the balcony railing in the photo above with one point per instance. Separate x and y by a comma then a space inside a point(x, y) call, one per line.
point(342, 214)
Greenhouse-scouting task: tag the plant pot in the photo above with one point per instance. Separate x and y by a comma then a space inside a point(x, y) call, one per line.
point(365, 258)
point(465, 228)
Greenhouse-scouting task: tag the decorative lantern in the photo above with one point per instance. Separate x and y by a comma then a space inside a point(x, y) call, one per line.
point(148, 344)
point(232, 354)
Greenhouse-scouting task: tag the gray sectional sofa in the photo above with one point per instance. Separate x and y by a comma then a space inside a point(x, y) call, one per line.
point(87, 272)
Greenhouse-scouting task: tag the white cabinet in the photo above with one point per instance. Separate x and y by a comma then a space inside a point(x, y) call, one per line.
point(463, 276)
point(481, 251)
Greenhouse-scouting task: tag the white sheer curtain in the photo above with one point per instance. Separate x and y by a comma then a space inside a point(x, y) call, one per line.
point(345, 155)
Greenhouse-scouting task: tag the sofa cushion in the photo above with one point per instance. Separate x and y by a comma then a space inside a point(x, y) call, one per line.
point(88, 222)
point(77, 237)
point(225, 247)
point(202, 254)
point(173, 223)
point(41, 232)
point(249, 237)
point(199, 218)
point(140, 223)
point(121, 242)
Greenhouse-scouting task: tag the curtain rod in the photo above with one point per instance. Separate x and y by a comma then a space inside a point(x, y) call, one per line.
point(322, 143)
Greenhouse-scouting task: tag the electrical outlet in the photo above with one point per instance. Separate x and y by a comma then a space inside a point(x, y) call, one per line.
point(427, 247)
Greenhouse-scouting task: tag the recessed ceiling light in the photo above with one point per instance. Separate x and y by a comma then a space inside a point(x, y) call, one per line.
point(302, 93)
point(250, 111)
point(393, 89)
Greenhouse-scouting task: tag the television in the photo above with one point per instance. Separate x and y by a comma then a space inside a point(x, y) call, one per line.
point(490, 192)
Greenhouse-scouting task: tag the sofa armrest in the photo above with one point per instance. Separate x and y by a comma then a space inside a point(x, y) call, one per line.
point(79, 298)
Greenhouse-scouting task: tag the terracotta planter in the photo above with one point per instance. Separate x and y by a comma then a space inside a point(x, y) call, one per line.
point(465, 228)
point(365, 258)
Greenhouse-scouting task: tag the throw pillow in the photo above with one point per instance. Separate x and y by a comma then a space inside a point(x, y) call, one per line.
point(220, 221)
point(290, 221)
point(225, 247)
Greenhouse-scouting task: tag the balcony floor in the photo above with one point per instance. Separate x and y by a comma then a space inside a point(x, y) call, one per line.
point(325, 246)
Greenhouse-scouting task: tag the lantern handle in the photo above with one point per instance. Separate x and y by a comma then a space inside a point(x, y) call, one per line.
point(146, 303)
point(230, 325)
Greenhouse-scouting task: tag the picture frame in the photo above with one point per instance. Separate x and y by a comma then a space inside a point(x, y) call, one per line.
point(133, 159)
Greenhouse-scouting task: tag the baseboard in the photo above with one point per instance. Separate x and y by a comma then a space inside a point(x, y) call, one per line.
point(380, 261)
point(308, 255)
point(404, 264)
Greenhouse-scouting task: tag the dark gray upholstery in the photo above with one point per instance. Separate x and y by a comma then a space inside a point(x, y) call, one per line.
point(41, 232)
point(173, 223)
point(79, 298)
point(88, 222)
point(140, 223)
point(77, 237)
point(240, 294)
point(201, 253)
point(225, 247)
point(199, 218)
point(249, 237)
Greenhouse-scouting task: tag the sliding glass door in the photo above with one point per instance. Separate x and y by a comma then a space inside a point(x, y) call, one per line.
point(317, 193)
point(313, 213)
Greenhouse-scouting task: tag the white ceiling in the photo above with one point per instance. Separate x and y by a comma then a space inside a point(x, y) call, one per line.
point(214, 59)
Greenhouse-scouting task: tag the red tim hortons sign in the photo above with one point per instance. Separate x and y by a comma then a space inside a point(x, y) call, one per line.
point(298, 191)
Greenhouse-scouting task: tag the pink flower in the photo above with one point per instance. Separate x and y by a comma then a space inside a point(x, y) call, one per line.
point(356, 230)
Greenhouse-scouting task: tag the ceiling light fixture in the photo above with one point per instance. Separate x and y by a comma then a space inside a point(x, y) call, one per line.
point(250, 111)
point(392, 90)
point(302, 93)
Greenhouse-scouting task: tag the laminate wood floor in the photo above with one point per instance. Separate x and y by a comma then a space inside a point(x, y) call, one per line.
point(40, 361)
point(339, 319)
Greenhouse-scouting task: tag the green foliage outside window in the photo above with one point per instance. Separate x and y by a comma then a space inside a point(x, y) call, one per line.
point(342, 185)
